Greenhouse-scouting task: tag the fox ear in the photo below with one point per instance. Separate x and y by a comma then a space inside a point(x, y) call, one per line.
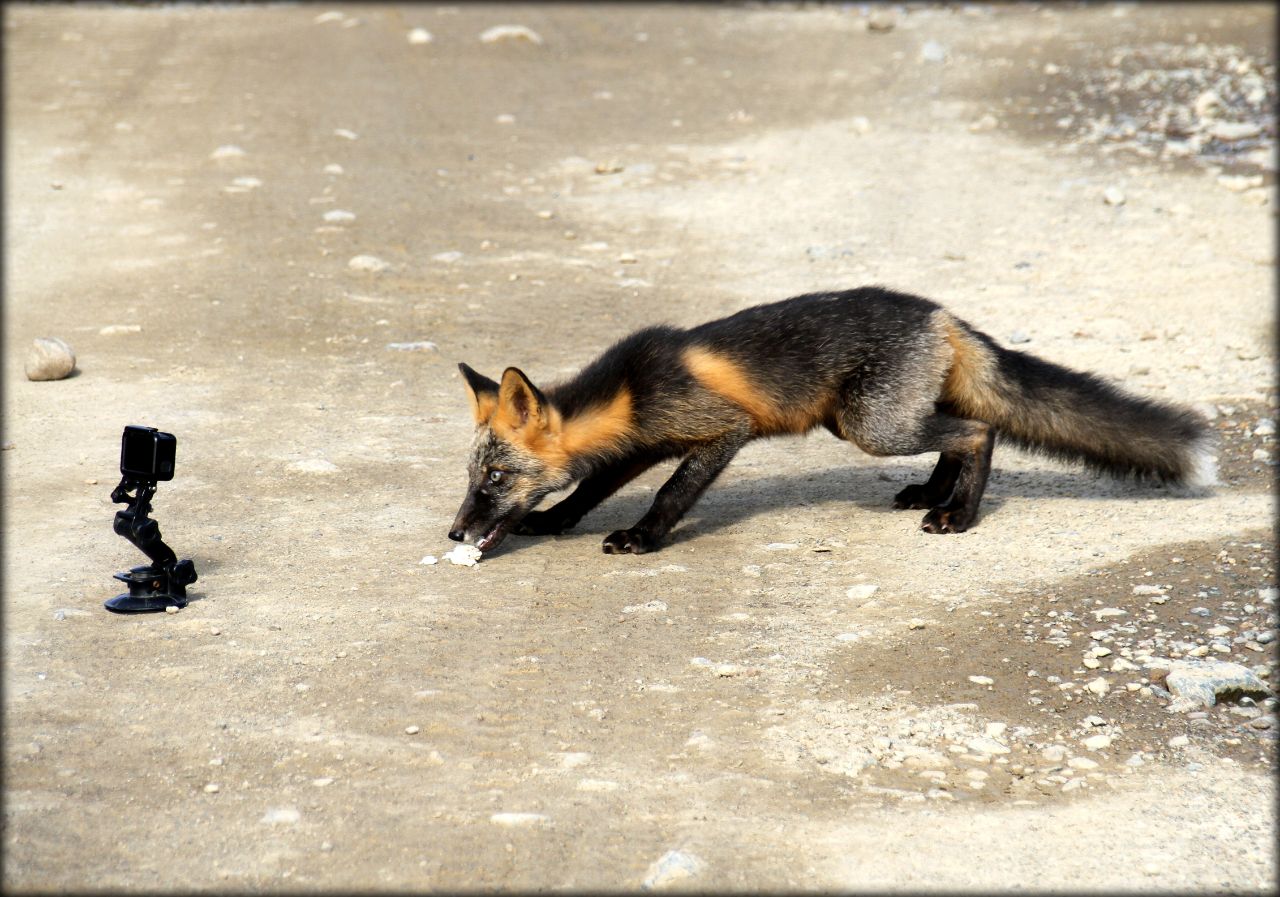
point(521, 404)
point(483, 393)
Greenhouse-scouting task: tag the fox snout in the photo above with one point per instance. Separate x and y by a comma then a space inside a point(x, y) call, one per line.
point(479, 522)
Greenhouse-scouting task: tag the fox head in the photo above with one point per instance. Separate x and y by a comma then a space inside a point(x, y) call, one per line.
point(515, 461)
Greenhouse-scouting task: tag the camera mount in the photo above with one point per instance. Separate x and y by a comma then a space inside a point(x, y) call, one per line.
point(146, 457)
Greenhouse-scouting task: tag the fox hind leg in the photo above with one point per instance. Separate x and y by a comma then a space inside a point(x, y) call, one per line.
point(937, 490)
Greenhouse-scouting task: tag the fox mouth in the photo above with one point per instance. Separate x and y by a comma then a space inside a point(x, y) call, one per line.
point(490, 540)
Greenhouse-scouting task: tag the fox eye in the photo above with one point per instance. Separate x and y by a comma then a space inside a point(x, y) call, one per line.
point(495, 476)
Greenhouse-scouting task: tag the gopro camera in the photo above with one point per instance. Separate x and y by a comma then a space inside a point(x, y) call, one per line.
point(147, 454)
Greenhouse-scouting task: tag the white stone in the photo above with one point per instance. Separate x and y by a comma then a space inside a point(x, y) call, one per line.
point(1113, 196)
point(1097, 742)
point(861, 592)
point(509, 33)
point(673, 867)
point(519, 820)
point(367, 263)
point(420, 36)
point(981, 680)
point(281, 816)
point(50, 359)
point(339, 216)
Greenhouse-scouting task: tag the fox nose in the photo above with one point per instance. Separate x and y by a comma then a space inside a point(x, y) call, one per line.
point(457, 535)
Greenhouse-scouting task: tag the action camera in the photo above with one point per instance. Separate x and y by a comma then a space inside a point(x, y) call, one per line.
point(147, 454)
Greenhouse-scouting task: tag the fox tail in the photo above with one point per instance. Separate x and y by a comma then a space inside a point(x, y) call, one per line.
point(1075, 416)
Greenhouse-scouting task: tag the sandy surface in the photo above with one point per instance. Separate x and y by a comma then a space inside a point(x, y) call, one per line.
point(741, 710)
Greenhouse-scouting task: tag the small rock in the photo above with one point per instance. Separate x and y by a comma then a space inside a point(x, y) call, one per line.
point(418, 346)
point(1094, 721)
point(1098, 686)
point(1097, 742)
point(1195, 684)
point(1019, 336)
point(984, 745)
point(1082, 763)
point(339, 216)
point(1179, 741)
point(1263, 722)
point(1238, 183)
point(333, 168)
point(212, 788)
point(1054, 753)
point(281, 816)
point(1264, 427)
point(50, 359)
point(420, 36)
point(345, 134)
point(981, 680)
point(367, 263)
point(428, 559)
point(861, 592)
point(881, 20)
point(1231, 131)
point(314, 465)
point(412, 730)
point(1113, 196)
point(916, 624)
point(671, 868)
point(229, 151)
point(117, 329)
point(509, 34)
point(932, 51)
point(1148, 589)
point(171, 609)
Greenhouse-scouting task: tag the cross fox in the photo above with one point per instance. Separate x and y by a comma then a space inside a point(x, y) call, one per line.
point(894, 374)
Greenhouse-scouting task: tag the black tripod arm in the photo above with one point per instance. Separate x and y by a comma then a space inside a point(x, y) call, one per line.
point(144, 533)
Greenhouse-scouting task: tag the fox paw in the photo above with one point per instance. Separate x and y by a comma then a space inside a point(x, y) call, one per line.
point(629, 541)
point(915, 497)
point(542, 523)
point(946, 520)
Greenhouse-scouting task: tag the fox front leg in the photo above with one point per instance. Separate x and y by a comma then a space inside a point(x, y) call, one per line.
point(696, 472)
point(565, 514)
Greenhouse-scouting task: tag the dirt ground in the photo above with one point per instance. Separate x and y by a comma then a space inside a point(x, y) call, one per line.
point(802, 690)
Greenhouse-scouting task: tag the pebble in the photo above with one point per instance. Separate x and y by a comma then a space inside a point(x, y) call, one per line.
point(367, 263)
point(1019, 336)
point(1238, 183)
point(984, 745)
point(333, 168)
point(420, 36)
point(1263, 722)
point(212, 788)
point(117, 329)
point(417, 346)
point(345, 134)
point(428, 559)
point(671, 868)
point(339, 216)
point(861, 592)
point(1113, 196)
point(50, 358)
point(1098, 686)
point(1082, 763)
point(1097, 742)
point(1146, 589)
point(916, 624)
point(509, 33)
point(1231, 131)
point(1179, 741)
point(1094, 721)
point(281, 816)
point(171, 609)
point(314, 465)
point(932, 51)
point(228, 151)
point(1264, 427)
point(412, 730)
point(981, 680)
point(881, 21)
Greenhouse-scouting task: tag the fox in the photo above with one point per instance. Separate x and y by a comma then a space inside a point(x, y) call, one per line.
point(891, 372)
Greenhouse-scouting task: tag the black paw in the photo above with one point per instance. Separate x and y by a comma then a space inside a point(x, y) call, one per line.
point(915, 497)
point(629, 541)
point(946, 520)
point(542, 523)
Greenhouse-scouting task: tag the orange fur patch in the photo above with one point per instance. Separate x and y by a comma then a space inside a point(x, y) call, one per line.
point(728, 379)
point(482, 405)
point(599, 427)
point(969, 379)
